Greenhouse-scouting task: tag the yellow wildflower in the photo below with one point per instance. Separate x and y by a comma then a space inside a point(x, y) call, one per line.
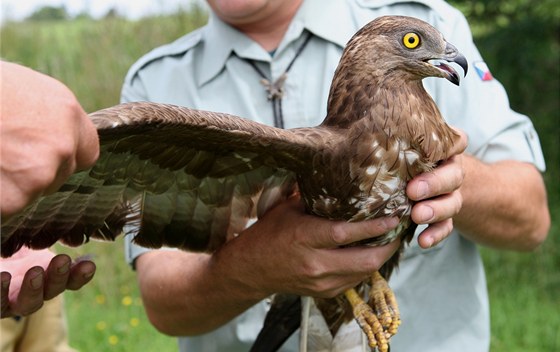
point(113, 340)
point(126, 300)
point(101, 325)
point(134, 322)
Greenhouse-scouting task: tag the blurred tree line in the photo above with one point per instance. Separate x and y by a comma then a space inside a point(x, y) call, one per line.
point(60, 13)
point(520, 41)
point(49, 13)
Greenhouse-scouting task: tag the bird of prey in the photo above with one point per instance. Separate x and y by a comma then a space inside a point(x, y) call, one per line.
point(191, 179)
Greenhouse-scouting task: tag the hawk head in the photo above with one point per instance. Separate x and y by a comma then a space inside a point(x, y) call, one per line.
point(403, 48)
point(384, 63)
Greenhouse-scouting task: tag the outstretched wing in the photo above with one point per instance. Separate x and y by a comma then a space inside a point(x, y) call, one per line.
point(175, 176)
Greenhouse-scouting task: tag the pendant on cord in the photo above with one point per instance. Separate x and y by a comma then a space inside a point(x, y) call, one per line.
point(275, 89)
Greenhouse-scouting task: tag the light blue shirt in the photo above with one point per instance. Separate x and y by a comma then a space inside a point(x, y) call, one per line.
point(441, 291)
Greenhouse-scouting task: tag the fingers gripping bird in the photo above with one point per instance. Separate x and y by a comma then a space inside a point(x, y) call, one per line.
point(190, 179)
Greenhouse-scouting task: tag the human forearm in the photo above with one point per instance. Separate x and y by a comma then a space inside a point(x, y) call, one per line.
point(504, 205)
point(185, 294)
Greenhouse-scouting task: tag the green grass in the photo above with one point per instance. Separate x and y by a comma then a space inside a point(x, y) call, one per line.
point(524, 293)
point(92, 58)
point(108, 315)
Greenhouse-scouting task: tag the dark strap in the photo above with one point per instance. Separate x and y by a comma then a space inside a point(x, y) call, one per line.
point(275, 89)
point(282, 320)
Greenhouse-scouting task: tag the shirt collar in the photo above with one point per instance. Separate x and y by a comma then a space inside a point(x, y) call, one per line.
point(330, 20)
point(220, 39)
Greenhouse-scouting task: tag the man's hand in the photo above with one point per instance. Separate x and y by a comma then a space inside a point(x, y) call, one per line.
point(45, 136)
point(293, 252)
point(438, 196)
point(31, 277)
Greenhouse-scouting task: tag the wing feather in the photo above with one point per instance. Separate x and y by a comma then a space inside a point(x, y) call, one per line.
point(178, 177)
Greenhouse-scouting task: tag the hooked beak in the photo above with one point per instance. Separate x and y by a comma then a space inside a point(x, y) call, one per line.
point(453, 55)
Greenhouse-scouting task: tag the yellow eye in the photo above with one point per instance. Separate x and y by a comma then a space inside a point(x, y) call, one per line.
point(411, 40)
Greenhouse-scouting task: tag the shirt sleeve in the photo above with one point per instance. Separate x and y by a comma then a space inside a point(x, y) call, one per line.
point(133, 88)
point(132, 250)
point(480, 106)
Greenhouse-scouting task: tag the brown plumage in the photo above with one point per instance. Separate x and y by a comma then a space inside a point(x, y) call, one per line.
point(189, 179)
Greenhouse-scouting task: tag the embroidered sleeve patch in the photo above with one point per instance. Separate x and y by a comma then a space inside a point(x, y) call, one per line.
point(483, 71)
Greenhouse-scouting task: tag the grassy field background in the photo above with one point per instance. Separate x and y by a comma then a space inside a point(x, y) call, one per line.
point(92, 58)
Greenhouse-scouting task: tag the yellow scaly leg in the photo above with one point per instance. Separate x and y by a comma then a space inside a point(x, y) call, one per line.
point(368, 321)
point(383, 301)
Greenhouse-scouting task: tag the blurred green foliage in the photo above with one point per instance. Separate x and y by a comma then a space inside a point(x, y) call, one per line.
point(520, 41)
point(49, 13)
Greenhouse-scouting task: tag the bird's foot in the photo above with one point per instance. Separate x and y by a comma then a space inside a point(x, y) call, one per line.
point(368, 321)
point(383, 301)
